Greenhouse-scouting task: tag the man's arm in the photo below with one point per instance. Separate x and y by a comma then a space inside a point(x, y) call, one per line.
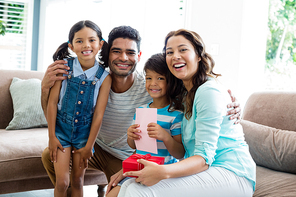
point(50, 76)
point(235, 112)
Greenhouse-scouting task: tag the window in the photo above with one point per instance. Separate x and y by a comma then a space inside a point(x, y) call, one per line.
point(152, 18)
point(15, 45)
point(280, 66)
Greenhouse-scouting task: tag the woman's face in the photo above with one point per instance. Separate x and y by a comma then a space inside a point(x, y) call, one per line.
point(181, 58)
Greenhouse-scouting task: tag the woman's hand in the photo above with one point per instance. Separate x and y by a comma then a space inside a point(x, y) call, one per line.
point(114, 180)
point(53, 145)
point(151, 174)
point(235, 112)
point(85, 155)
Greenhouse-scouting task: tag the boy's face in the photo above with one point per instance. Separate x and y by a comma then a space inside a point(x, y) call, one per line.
point(156, 84)
point(123, 57)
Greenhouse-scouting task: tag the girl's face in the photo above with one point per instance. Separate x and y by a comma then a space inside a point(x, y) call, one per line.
point(181, 58)
point(86, 44)
point(156, 84)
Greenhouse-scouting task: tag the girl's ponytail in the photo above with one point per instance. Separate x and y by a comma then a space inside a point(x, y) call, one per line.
point(62, 52)
point(104, 54)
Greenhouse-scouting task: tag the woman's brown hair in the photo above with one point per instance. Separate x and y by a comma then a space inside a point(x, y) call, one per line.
point(205, 69)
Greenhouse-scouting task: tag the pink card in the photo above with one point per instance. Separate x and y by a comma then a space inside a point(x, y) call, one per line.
point(144, 116)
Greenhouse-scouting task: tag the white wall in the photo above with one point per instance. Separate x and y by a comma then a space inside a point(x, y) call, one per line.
point(234, 32)
point(152, 18)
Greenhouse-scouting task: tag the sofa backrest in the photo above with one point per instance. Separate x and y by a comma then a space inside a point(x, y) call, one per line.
point(6, 107)
point(273, 109)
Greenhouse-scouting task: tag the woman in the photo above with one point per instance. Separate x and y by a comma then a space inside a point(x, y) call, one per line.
point(217, 160)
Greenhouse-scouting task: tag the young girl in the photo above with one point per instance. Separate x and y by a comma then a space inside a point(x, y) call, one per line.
point(167, 130)
point(76, 106)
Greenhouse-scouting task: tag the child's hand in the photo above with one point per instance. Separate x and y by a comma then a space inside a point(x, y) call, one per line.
point(157, 132)
point(53, 145)
point(85, 155)
point(132, 132)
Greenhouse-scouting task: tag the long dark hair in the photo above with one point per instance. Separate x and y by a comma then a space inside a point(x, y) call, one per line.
point(158, 64)
point(63, 52)
point(205, 68)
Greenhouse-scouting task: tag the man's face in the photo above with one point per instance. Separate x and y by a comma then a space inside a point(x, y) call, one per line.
point(123, 57)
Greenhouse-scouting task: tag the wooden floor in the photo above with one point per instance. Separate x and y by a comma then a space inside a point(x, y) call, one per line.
point(88, 191)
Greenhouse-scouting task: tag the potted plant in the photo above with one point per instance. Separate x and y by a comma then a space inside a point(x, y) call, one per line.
point(2, 28)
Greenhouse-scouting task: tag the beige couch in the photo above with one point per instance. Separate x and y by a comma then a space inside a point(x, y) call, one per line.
point(21, 168)
point(269, 123)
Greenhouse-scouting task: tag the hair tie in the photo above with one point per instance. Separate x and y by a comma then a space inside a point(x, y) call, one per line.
point(68, 42)
point(103, 39)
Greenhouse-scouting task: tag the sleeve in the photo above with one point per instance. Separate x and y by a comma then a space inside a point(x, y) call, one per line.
point(209, 111)
point(176, 125)
point(134, 119)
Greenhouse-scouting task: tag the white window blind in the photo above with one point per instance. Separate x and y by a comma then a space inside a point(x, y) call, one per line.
point(15, 45)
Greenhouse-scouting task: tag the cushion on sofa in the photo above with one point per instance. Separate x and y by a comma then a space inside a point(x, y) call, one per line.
point(270, 147)
point(26, 98)
point(274, 184)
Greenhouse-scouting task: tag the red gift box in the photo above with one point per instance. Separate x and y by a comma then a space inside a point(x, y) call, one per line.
point(131, 164)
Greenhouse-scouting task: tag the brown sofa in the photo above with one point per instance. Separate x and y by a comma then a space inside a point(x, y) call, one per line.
point(269, 123)
point(21, 168)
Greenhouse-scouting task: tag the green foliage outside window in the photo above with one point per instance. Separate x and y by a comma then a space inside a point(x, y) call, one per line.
point(14, 14)
point(2, 28)
point(281, 42)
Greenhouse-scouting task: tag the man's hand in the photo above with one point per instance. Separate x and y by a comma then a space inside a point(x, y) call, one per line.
point(235, 112)
point(50, 76)
point(53, 145)
point(114, 180)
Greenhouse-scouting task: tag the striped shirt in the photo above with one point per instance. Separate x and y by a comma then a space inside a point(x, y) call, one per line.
point(118, 116)
point(169, 121)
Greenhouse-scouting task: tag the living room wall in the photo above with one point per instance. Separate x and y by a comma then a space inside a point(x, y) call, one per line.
point(234, 32)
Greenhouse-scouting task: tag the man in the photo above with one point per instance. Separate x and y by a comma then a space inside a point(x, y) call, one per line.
point(126, 94)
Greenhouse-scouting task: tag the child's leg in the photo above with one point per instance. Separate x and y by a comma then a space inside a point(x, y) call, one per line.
point(62, 172)
point(113, 192)
point(77, 176)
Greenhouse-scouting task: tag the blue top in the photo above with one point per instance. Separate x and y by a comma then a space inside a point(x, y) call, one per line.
point(89, 74)
point(212, 135)
point(169, 121)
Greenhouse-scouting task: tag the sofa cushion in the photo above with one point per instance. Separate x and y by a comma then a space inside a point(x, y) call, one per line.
point(26, 98)
point(270, 147)
point(274, 184)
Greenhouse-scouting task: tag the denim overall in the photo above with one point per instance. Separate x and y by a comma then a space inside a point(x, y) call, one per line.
point(74, 119)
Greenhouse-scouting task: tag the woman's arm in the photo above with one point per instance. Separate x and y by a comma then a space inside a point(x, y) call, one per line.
point(53, 99)
point(152, 173)
point(102, 100)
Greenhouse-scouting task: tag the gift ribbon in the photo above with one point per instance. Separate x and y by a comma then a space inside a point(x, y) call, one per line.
point(138, 156)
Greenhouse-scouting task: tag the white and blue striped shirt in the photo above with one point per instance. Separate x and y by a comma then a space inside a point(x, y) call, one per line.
point(169, 121)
